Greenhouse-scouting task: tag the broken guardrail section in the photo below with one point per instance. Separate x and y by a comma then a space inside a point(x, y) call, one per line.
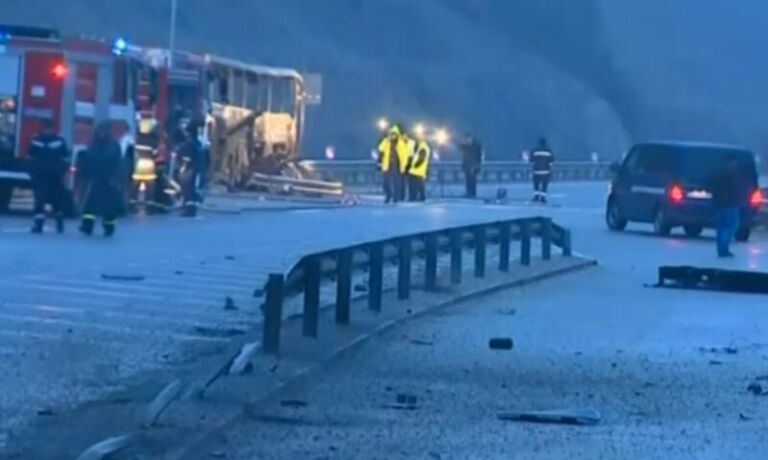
point(717, 279)
point(307, 275)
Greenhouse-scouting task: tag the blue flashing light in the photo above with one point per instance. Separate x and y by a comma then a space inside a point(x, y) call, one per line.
point(119, 46)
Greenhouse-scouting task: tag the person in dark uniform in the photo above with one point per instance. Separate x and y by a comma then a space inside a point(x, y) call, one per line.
point(471, 161)
point(101, 168)
point(191, 158)
point(541, 162)
point(726, 196)
point(48, 161)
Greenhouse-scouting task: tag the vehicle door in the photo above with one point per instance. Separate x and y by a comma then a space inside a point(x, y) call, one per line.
point(622, 186)
point(651, 180)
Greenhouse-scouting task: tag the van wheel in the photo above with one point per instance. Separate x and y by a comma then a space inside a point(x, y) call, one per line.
point(693, 231)
point(613, 217)
point(6, 193)
point(743, 233)
point(661, 224)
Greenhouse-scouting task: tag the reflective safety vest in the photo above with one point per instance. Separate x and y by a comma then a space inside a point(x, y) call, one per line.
point(385, 147)
point(420, 163)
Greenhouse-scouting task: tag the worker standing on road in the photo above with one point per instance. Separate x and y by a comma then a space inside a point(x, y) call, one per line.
point(410, 144)
point(101, 168)
point(726, 188)
point(191, 157)
point(48, 156)
point(418, 171)
point(393, 158)
point(471, 161)
point(541, 161)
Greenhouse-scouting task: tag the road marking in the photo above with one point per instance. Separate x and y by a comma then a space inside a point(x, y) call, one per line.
point(16, 230)
point(98, 292)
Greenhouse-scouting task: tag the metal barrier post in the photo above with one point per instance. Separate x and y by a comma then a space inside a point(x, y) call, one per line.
point(567, 242)
point(404, 268)
point(546, 238)
point(343, 286)
point(456, 243)
point(273, 313)
point(430, 264)
point(375, 276)
point(311, 296)
point(525, 243)
point(504, 237)
point(480, 242)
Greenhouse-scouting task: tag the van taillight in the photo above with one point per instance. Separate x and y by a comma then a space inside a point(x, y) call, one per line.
point(756, 198)
point(675, 194)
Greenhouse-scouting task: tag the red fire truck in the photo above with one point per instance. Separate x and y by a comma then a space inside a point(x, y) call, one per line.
point(79, 82)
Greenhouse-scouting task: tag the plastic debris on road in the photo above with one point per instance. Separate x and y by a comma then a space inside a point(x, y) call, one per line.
point(500, 343)
point(557, 416)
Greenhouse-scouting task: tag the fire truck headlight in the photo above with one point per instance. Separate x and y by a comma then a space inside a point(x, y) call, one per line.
point(119, 46)
point(383, 124)
point(442, 136)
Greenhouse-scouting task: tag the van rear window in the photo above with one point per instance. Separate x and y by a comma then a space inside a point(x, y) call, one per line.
point(700, 164)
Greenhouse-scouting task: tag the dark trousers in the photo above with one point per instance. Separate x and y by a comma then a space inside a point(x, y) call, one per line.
point(49, 191)
point(416, 188)
point(470, 178)
point(190, 193)
point(394, 190)
point(102, 200)
point(540, 186)
point(727, 224)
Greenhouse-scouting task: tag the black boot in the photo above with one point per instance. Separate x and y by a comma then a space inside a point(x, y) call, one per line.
point(109, 229)
point(37, 225)
point(59, 223)
point(86, 227)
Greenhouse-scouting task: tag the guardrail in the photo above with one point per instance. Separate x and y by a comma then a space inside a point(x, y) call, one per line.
point(354, 173)
point(307, 276)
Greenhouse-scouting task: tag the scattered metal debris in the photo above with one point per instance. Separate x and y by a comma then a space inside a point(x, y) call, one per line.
point(744, 417)
point(428, 343)
point(295, 403)
point(107, 447)
point(500, 343)
point(122, 277)
point(229, 257)
point(162, 401)
point(178, 272)
point(229, 304)
point(714, 362)
point(719, 350)
point(404, 398)
point(47, 412)
point(561, 416)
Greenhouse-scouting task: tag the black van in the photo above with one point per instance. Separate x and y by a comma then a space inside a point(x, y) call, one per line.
point(667, 184)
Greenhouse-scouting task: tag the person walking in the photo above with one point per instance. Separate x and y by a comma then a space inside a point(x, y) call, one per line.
point(541, 162)
point(393, 159)
point(726, 187)
point(418, 171)
point(48, 162)
point(471, 161)
point(101, 168)
point(191, 156)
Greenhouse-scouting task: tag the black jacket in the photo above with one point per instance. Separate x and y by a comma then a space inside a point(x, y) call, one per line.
point(541, 160)
point(727, 188)
point(472, 154)
point(48, 156)
point(101, 163)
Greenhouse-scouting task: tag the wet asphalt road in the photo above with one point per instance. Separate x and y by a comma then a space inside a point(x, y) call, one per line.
point(667, 369)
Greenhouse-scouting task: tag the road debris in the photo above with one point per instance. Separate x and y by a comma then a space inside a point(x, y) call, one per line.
point(243, 359)
point(427, 343)
point(500, 343)
point(47, 412)
point(218, 332)
point(714, 362)
point(361, 288)
point(217, 454)
point(122, 277)
point(404, 398)
point(744, 417)
point(719, 350)
point(756, 389)
point(229, 257)
point(294, 403)
point(105, 448)
point(560, 416)
point(508, 311)
point(162, 401)
point(229, 304)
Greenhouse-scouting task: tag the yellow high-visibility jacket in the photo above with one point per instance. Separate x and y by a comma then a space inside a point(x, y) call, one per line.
point(385, 147)
point(420, 163)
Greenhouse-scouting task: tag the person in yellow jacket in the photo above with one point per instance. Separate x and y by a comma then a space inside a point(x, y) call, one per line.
point(418, 170)
point(393, 160)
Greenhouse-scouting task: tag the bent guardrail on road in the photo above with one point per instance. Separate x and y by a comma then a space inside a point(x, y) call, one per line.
point(365, 173)
point(308, 274)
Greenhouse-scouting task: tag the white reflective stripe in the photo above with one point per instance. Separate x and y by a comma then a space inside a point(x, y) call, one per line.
point(541, 173)
point(14, 175)
point(85, 109)
point(115, 111)
point(38, 144)
point(542, 153)
point(55, 144)
point(646, 189)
